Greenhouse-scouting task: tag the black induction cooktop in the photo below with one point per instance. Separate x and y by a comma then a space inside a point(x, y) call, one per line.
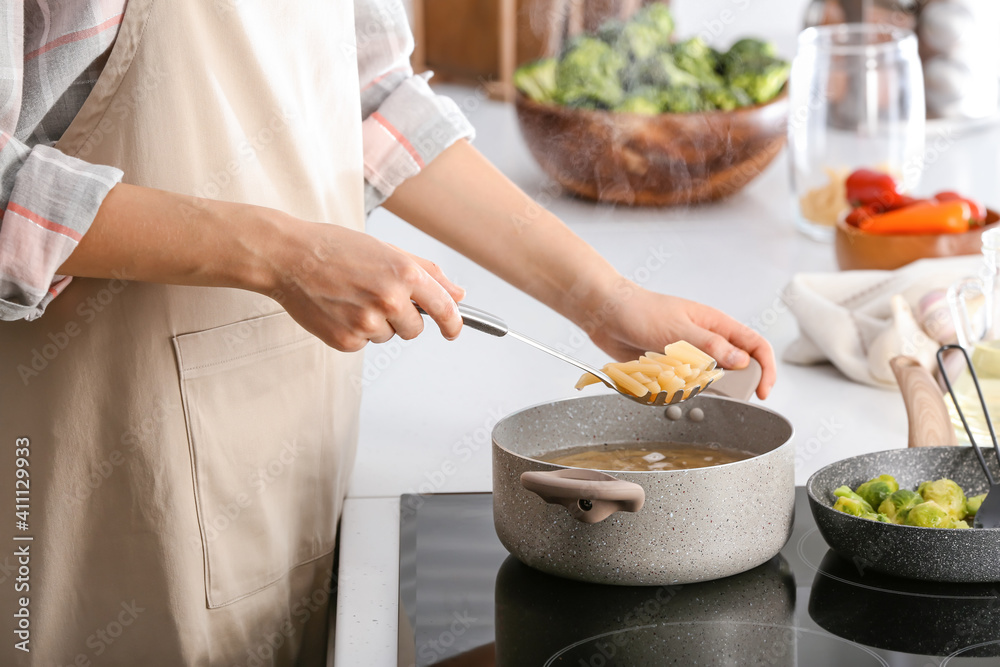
point(465, 602)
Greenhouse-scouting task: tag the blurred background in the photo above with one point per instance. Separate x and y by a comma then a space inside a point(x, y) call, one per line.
point(477, 41)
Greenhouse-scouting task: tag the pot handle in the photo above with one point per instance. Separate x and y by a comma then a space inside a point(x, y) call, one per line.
point(589, 495)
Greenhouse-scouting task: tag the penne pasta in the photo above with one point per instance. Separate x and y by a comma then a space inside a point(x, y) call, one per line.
point(681, 368)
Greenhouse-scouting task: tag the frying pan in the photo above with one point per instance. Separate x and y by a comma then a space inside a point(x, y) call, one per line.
point(931, 554)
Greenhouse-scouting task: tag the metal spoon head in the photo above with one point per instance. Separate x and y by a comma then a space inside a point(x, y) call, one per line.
point(660, 398)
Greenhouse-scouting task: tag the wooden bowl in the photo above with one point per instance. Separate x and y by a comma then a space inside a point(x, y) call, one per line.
point(666, 159)
point(858, 250)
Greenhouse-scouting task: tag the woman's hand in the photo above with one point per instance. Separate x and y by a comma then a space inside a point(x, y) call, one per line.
point(344, 286)
point(349, 288)
point(646, 320)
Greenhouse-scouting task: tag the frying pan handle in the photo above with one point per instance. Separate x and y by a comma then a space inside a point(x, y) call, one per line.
point(589, 495)
point(926, 412)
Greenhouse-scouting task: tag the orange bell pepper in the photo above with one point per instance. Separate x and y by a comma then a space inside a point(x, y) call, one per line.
point(950, 217)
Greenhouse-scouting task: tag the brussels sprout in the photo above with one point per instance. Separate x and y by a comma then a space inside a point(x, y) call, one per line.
point(874, 491)
point(853, 506)
point(876, 516)
point(761, 79)
point(726, 98)
point(537, 79)
point(899, 503)
point(959, 524)
point(846, 492)
point(929, 515)
point(658, 16)
point(972, 504)
point(588, 75)
point(946, 494)
point(695, 57)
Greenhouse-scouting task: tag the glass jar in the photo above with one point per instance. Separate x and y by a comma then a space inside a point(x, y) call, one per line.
point(856, 101)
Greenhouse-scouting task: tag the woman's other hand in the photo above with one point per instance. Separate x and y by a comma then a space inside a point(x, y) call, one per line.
point(645, 320)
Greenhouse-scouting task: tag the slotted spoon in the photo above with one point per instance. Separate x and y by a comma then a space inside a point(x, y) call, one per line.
point(988, 515)
point(488, 323)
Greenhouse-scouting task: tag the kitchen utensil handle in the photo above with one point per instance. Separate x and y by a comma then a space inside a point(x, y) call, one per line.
point(929, 423)
point(479, 320)
point(958, 303)
point(589, 495)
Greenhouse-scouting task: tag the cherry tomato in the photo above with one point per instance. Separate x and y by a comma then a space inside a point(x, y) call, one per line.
point(862, 213)
point(905, 200)
point(978, 210)
point(866, 186)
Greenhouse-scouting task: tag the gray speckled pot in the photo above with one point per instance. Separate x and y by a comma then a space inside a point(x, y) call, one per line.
point(932, 554)
point(694, 525)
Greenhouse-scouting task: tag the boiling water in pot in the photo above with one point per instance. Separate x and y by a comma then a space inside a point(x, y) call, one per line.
point(649, 456)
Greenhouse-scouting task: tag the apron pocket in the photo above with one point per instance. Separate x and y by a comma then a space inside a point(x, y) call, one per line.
point(257, 411)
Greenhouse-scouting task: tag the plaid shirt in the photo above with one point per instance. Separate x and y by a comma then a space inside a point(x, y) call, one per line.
point(50, 58)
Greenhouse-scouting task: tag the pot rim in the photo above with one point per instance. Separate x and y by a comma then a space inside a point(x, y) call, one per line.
point(786, 443)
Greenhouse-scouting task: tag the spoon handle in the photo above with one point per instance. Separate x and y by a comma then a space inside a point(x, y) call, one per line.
point(479, 320)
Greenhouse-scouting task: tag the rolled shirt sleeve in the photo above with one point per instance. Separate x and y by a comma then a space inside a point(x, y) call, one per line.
point(49, 202)
point(406, 124)
point(48, 199)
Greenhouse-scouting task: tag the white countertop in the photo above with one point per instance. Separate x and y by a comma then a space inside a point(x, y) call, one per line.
point(430, 405)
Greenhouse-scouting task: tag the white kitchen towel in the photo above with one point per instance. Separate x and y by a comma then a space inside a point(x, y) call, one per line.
point(842, 315)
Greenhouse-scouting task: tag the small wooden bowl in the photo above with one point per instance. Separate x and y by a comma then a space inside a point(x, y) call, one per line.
point(666, 159)
point(858, 250)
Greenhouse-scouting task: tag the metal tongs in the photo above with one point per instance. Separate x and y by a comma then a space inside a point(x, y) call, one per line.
point(480, 320)
point(988, 515)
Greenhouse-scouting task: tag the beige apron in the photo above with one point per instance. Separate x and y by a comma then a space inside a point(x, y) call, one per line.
point(190, 447)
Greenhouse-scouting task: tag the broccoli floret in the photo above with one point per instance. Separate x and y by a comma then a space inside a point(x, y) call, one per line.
point(610, 30)
point(662, 72)
point(641, 41)
point(946, 494)
point(658, 16)
point(537, 79)
point(589, 75)
point(762, 79)
point(683, 99)
point(644, 100)
point(726, 98)
point(695, 57)
point(746, 50)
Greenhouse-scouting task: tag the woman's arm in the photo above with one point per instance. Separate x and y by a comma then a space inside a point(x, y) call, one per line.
point(346, 287)
point(464, 201)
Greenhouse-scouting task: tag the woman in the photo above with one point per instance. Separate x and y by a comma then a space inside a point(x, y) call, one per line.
point(184, 408)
